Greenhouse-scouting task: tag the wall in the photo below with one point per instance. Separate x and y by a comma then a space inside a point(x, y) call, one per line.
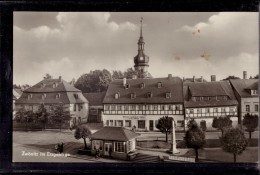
point(134, 120)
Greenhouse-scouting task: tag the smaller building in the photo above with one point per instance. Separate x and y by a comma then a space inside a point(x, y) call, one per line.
point(246, 91)
point(206, 100)
point(95, 106)
point(16, 95)
point(115, 142)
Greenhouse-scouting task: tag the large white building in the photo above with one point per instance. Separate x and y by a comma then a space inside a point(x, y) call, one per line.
point(52, 92)
point(139, 103)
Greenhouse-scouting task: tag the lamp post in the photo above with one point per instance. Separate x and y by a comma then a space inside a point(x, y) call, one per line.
point(173, 144)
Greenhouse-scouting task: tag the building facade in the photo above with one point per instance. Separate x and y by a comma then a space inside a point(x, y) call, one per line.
point(207, 100)
point(139, 103)
point(95, 106)
point(52, 92)
point(246, 91)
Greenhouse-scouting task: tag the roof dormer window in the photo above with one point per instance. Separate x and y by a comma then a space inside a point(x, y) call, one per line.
point(142, 85)
point(117, 95)
point(42, 85)
point(29, 96)
point(58, 96)
point(54, 85)
point(253, 92)
point(76, 96)
point(159, 84)
point(149, 95)
point(168, 94)
point(44, 96)
point(133, 95)
point(127, 86)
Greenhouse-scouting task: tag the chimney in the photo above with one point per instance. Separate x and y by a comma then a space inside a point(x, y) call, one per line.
point(124, 82)
point(134, 77)
point(169, 76)
point(244, 74)
point(201, 79)
point(193, 78)
point(60, 78)
point(213, 77)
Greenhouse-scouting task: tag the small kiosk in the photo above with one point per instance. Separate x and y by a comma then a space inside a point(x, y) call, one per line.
point(114, 142)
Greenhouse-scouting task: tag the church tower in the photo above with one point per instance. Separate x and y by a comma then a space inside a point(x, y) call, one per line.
point(141, 60)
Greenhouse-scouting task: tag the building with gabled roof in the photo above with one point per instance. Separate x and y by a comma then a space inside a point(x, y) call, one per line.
point(246, 91)
point(52, 92)
point(95, 106)
point(206, 100)
point(115, 142)
point(139, 103)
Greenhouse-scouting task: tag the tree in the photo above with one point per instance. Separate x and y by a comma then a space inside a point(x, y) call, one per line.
point(194, 138)
point(60, 115)
point(117, 75)
point(165, 125)
point(42, 115)
point(82, 132)
point(222, 123)
point(256, 77)
point(231, 77)
point(250, 122)
point(203, 125)
point(94, 81)
point(234, 141)
point(25, 117)
point(47, 76)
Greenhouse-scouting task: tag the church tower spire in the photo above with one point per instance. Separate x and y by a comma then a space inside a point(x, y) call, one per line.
point(141, 60)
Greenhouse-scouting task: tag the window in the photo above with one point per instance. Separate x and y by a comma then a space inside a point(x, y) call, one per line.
point(132, 107)
point(141, 124)
point(119, 147)
point(119, 107)
point(247, 108)
point(197, 98)
point(97, 144)
point(58, 96)
point(128, 123)
point(199, 110)
point(215, 109)
point(207, 110)
point(159, 85)
point(149, 95)
point(119, 122)
point(116, 95)
point(106, 107)
point(140, 107)
point(111, 122)
point(113, 107)
point(127, 86)
point(170, 107)
point(225, 98)
point(256, 108)
point(79, 107)
point(76, 96)
point(107, 122)
point(168, 95)
point(180, 123)
point(191, 111)
point(44, 96)
point(75, 107)
point(177, 107)
point(253, 92)
point(155, 107)
point(126, 107)
point(142, 85)
point(206, 98)
point(133, 95)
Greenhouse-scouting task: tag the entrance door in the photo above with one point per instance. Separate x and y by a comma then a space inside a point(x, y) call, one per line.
point(108, 148)
point(151, 125)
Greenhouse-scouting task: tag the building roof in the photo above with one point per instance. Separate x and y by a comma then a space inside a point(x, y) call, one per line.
point(95, 99)
point(17, 93)
point(46, 85)
point(187, 80)
point(169, 84)
point(242, 86)
point(205, 89)
point(51, 88)
point(114, 134)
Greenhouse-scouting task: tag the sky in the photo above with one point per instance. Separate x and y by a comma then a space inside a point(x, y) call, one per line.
point(70, 44)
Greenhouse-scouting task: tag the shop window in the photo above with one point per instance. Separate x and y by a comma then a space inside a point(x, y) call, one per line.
point(111, 122)
point(128, 123)
point(256, 108)
point(119, 122)
point(141, 124)
point(247, 108)
point(119, 147)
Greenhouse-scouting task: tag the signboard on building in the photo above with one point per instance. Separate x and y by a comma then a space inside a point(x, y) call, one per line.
point(134, 117)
